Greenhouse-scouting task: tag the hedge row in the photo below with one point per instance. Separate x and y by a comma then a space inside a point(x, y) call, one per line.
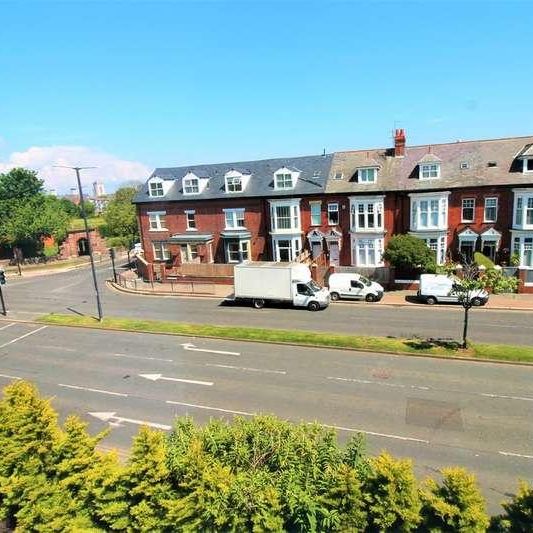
point(258, 474)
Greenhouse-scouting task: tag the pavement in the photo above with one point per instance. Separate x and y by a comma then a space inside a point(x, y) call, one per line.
point(438, 412)
point(523, 302)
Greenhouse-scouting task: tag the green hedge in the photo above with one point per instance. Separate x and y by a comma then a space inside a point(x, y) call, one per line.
point(257, 474)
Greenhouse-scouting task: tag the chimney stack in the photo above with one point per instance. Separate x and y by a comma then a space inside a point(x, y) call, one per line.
point(399, 143)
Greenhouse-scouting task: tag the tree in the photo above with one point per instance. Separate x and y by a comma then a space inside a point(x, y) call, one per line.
point(518, 516)
point(69, 207)
point(120, 216)
point(410, 253)
point(20, 184)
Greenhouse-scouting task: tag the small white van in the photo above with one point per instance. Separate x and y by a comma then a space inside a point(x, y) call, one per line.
point(354, 286)
point(437, 288)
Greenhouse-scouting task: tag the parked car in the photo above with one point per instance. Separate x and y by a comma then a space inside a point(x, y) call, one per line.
point(437, 288)
point(260, 282)
point(355, 287)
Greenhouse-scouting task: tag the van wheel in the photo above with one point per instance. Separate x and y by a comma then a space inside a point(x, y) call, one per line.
point(334, 296)
point(431, 300)
point(259, 303)
point(476, 302)
point(370, 298)
point(313, 306)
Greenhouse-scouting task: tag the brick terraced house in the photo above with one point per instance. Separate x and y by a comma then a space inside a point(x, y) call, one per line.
point(458, 197)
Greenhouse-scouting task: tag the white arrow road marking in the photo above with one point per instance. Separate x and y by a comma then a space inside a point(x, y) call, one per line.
point(23, 336)
point(209, 408)
point(113, 420)
point(8, 376)
point(141, 357)
point(248, 369)
point(192, 348)
point(77, 387)
point(157, 377)
point(387, 435)
point(7, 326)
point(510, 454)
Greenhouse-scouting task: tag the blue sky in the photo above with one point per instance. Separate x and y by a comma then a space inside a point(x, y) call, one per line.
point(133, 85)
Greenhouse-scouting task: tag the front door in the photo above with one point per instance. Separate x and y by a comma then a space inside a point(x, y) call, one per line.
point(334, 253)
point(316, 248)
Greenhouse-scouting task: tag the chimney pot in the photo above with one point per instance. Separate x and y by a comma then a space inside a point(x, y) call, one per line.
point(399, 143)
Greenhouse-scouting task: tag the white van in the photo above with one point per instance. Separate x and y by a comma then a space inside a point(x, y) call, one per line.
point(437, 288)
point(354, 286)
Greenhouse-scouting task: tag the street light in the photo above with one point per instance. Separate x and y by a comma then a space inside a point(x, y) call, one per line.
point(83, 214)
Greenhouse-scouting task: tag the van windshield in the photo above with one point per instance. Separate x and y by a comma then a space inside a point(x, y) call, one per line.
point(366, 281)
point(314, 286)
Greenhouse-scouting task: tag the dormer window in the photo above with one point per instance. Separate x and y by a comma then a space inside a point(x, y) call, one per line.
point(429, 171)
point(284, 181)
point(528, 165)
point(234, 184)
point(156, 188)
point(367, 175)
point(191, 186)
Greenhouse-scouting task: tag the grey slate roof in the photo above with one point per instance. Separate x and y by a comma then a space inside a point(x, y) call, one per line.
point(314, 171)
point(401, 173)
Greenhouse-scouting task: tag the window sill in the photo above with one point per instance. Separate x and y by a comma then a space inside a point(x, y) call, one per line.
point(159, 229)
point(191, 229)
point(468, 221)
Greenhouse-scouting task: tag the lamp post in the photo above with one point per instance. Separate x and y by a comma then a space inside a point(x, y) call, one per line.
point(90, 248)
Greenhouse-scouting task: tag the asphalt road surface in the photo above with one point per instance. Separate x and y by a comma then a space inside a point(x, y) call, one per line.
point(73, 292)
point(438, 412)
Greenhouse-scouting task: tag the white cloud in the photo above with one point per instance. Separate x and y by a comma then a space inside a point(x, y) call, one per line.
point(110, 169)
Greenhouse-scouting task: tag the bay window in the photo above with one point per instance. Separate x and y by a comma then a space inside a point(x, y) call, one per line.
point(429, 211)
point(285, 215)
point(523, 209)
point(237, 251)
point(368, 252)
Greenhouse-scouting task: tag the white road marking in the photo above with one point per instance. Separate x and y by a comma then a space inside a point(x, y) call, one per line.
point(511, 454)
point(386, 435)
point(61, 348)
point(23, 336)
point(381, 383)
point(7, 326)
point(209, 408)
point(247, 369)
point(522, 398)
point(8, 376)
point(141, 357)
point(78, 387)
point(157, 377)
point(114, 420)
point(191, 348)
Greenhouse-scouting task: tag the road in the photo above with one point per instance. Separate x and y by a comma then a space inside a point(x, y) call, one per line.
point(73, 292)
point(438, 412)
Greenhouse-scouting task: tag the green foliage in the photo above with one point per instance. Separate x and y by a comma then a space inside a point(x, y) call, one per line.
point(391, 495)
point(482, 260)
point(88, 207)
point(515, 259)
point(456, 505)
point(69, 207)
point(20, 184)
point(498, 283)
point(120, 215)
point(409, 252)
point(51, 250)
point(518, 515)
point(119, 242)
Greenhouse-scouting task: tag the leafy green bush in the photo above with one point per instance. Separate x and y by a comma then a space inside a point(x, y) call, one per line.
point(498, 283)
point(456, 505)
point(51, 250)
point(118, 242)
point(483, 260)
point(409, 252)
point(518, 515)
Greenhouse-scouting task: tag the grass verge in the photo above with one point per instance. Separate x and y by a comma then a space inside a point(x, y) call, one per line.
point(304, 338)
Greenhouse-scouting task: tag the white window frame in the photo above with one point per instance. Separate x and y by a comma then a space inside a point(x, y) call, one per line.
point(429, 171)
point(154, 220)
point(370, 246)
point(416, 212)
point(525, 163)
point(188, 183)
point(473, 207)
point(313, 216)
point(333, 207)
point(243, 247)
point(439, 248)
point(187, 253)
point(495, 207)
point(523, 205)
point(523, 249)
point(231, 182)
point(377, 204)
point(362, 175)
point(188, 214)
point(234, 216)
point(295, 245)
point(156, 186)
point(282, 182)
point(161, 252)
point(294, 217)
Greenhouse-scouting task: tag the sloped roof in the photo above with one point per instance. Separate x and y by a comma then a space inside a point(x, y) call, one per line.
point(401, 173)
point(313, 170)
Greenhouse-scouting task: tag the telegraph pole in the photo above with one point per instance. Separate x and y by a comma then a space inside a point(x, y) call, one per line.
point(84, 216)
point(2, 301)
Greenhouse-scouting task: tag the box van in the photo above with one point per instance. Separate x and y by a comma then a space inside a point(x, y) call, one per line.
point(354, 286)
point(436, 288)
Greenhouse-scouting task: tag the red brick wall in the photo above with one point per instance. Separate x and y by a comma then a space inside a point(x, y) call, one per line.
point(69, 247)
point(209, 218)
